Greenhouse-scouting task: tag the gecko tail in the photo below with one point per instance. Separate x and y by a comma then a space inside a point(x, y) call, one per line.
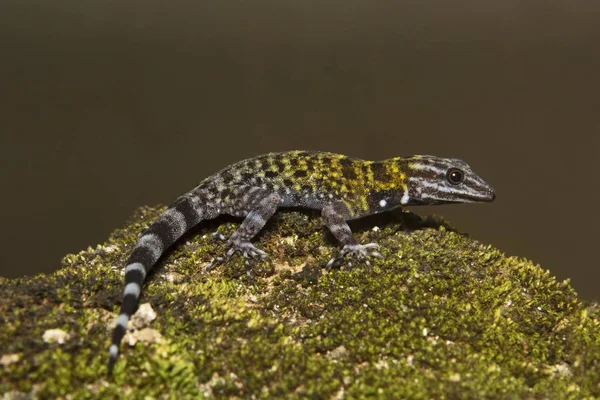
point(161, 234)
point(135, 273)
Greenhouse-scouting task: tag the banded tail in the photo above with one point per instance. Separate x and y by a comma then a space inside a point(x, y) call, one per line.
point(181, 216)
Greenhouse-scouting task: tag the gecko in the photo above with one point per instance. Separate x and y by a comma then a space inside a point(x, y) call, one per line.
point(343, 188)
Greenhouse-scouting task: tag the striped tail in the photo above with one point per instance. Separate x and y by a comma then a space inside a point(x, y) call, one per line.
point(162, 233)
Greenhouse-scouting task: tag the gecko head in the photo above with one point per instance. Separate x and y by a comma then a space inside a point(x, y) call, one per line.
point(434, 180)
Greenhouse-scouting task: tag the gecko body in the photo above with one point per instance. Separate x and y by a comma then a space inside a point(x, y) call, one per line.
point(343, 188)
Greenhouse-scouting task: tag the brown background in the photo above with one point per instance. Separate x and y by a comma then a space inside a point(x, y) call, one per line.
point(107, 106)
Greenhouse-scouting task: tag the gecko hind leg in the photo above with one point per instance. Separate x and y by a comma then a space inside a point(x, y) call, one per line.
point(262, 208)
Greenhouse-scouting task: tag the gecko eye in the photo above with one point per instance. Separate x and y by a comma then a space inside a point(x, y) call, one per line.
point(455, 176)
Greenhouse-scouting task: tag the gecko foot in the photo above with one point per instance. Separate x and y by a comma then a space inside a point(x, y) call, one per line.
point(249, 252)
point(358, 252)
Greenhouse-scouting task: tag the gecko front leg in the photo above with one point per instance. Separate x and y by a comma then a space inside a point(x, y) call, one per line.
point(335, 216)
point(261, 205)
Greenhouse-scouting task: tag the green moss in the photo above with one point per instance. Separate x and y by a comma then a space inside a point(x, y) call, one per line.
point(442, 316)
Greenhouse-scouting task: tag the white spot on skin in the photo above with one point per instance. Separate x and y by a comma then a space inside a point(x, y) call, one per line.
point(382, 203)
point(405, 198)
point(132, 288)
point(55, 336)
point(113, 350)
point(253, 189)
point(122, 320)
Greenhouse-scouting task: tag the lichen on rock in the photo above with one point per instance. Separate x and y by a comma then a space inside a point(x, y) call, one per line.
point(442, 316)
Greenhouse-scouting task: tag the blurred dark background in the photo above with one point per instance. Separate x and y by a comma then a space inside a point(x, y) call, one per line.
point(107, 106)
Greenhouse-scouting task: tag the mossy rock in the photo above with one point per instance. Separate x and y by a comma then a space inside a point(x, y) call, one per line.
point(442, 316)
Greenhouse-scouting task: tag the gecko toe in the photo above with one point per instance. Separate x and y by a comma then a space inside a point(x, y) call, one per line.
point(248, 251)
point(359, 253)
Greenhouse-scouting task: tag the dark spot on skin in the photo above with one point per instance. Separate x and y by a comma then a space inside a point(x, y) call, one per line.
point(186, 207)
point(326, 163)
point(307, 188)
point(135, 276)
point(346, 161)
point(288, 182)
point(310, 166)
point(348, 169)
point(164, 230)
point(279, 164)
point(227, 177)
point(379, 172)
point(271, 174)
point(268, 185)
point(225, 192)
point(300, 173)
point(294, 162)
point(247, 176)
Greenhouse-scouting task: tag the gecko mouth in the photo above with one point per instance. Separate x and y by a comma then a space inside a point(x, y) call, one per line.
point(452, 196)
point(477, 197)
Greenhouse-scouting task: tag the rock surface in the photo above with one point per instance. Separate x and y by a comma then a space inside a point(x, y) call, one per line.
point(442, 316)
